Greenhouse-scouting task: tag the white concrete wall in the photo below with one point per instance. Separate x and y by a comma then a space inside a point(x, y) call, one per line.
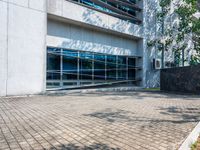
point(144, 32)
point(151, 77)
point(83, 15)
point(23, 40)
point(22, 46)
point(79, 38)
point(3, 47)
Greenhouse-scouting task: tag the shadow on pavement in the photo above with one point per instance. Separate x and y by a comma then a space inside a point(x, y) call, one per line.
point(188, 114)
point(96, 146)
point(174, 115)
point(139, 95)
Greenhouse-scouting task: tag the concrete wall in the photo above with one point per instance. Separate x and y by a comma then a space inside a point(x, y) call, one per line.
point(71, 36)
point(83, 15)
point(151, 77)
point(122, 38)
point(143, 33)
point(23, 39)
point(3, 47)
point(22, 46)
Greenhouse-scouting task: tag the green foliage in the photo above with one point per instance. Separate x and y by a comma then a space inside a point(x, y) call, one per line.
point(168, 42)
point(151, 43)
point(187, 24)
point(195, 60)
point(194, 146)
point(196, 37)
point(164, 4)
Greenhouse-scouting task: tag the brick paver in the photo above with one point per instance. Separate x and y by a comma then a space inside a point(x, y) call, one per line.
point(106, 121)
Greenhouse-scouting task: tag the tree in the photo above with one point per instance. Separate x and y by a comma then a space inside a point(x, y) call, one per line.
point(176, 36)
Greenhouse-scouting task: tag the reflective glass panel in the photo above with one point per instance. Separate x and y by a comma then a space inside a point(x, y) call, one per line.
point(121, 9)
point(111, 67)
point(85, 65)
point(53, 64)
point(70, 68)
point(77, 68)
point(70, 53)
point(99, 67)
point(131, 68)
point(122, 68)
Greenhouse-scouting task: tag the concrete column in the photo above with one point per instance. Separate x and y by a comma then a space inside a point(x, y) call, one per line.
point(3, 46)
point(22, 47)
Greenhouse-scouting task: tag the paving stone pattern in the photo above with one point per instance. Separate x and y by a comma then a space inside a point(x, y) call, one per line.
point(102, 121)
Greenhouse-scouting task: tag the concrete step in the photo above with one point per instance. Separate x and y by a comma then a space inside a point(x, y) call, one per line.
point(108, 89)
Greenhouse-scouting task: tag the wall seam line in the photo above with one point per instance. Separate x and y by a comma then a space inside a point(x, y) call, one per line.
point(25, 7)
point(7, 50)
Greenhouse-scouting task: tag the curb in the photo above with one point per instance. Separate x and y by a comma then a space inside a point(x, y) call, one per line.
point(116, 89)
point(191, 138)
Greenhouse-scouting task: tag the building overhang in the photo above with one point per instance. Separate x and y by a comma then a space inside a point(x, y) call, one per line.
point(114, 8)
point(62, 10)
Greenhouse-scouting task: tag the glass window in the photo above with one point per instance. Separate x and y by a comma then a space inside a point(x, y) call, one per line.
point(53, 59)
point(115, 8)
point(131, 68)
point(70, 53)
point(53, 64)
point(70, 67)
point(70, 63)
point(122, 68)
point(111, 67)
point(99, 67)
point(85, 69)
point(85, 65)
point(53, 75)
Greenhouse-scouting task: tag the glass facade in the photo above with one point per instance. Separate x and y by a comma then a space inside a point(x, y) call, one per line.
point(71, 68)
point(126, 10)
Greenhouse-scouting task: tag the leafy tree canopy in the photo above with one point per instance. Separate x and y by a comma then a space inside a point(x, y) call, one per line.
point(188, 24)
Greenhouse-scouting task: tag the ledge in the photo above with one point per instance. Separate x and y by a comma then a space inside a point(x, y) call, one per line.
point(84, 15)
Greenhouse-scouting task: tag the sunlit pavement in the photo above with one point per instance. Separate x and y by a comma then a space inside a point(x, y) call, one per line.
point(108, 121)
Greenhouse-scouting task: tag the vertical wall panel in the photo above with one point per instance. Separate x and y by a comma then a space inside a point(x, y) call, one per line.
point(23, 3)
point(3, 47)
point(26, 50)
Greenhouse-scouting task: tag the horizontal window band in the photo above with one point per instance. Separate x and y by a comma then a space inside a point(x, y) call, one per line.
point(60, 49)
point(118, 12)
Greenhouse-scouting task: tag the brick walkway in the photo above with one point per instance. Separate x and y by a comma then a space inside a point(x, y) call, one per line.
point(109, 121)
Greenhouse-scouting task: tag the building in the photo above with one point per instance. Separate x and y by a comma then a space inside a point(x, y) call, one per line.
point(65, 44)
